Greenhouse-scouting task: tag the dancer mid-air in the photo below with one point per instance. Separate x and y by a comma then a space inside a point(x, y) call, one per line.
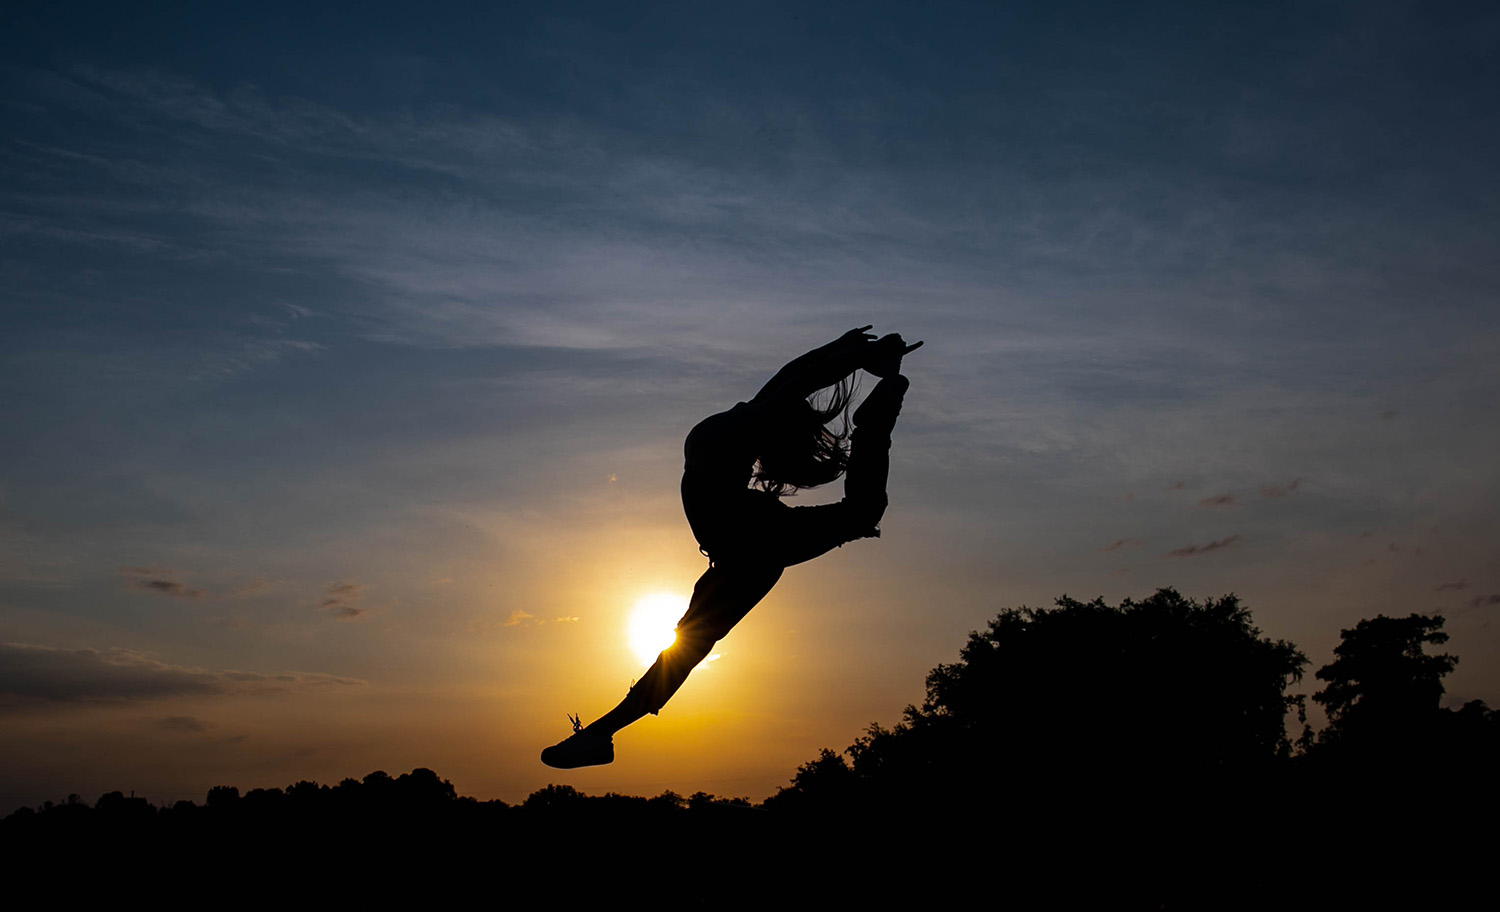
point(779, 442)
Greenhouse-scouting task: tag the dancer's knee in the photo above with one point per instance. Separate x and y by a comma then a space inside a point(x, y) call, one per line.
point(672, 667)
point(690, 648)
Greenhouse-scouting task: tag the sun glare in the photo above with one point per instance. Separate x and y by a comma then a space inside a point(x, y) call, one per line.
point(653, 624)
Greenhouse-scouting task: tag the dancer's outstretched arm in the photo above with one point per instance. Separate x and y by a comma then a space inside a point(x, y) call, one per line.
point(819, 368)
point(823, 367)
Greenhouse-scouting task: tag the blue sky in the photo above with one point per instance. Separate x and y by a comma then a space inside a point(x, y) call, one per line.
point(348, 355)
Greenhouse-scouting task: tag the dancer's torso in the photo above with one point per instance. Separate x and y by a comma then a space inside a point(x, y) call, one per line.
point(719, 459)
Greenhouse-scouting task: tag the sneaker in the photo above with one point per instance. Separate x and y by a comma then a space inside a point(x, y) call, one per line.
point(584, 748)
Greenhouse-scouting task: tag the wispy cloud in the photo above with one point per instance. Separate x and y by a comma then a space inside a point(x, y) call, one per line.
point(342, 600)
point(151, 580)
point(1120, 543)
point(248, 353)
point(190, 724)
point(170, 587)
point(1452, 587)
point(1193, 550)
point(1477, 603)
point(43, 674)
point(1218, 500)
point(1275, 492)
point(633, 268)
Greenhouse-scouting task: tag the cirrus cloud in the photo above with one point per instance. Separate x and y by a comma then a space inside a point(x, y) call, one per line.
point(31, 674)
point(1192, 550)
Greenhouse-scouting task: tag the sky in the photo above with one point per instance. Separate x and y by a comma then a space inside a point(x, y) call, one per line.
point(347, 355)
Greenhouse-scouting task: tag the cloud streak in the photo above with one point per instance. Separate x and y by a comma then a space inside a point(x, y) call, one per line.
point(169, 587)
point(1276, 492)
point(189, 724)
point(1194, 550)
point(342, 599)
point(148, 579)
point(32, 674)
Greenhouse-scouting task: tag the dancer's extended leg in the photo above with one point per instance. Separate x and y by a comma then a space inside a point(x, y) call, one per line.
point(720, 599)
point(722, 596)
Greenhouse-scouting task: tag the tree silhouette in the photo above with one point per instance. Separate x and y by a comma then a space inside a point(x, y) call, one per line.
point(1394, 774)
point(222, 796)
point(1382, 686)
point(552, 797)
point(1128, 732)
point(1166, 687)
point(1388, 739)
point(829, 781)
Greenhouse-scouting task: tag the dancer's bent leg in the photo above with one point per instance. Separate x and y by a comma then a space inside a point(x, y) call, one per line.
point(870, 447)
point(807, 532)
point(721, 598)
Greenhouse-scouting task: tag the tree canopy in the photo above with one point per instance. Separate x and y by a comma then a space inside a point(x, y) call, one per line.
point(1381, 680)
point(1088, 697)
point(1163, 680)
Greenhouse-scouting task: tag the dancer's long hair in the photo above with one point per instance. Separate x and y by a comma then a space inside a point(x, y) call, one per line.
point(802, 451)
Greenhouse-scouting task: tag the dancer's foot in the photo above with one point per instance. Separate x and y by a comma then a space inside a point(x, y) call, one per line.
point(885, 354)
point(584, 748)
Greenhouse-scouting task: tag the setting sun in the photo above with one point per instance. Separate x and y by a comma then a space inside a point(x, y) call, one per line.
point(653, 624)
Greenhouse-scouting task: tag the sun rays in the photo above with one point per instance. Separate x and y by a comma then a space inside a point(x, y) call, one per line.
point(652, 624)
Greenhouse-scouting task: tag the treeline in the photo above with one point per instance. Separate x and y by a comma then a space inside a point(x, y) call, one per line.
point(1142, 751)
point(1161, 700)
point(1138, 751)
point(419, 798)
point(383, 839)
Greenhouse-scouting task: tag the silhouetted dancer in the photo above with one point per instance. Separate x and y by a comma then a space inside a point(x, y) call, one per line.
point(779, 441)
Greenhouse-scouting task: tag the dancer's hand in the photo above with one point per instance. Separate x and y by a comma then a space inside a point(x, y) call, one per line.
point(886, 354)
point(856, 337)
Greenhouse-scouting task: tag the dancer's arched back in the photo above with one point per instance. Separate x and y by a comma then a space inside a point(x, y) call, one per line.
point(779, 442)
